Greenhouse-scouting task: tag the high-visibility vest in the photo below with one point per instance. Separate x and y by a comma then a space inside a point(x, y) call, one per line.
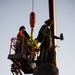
point(21, 34)
point(21, 37)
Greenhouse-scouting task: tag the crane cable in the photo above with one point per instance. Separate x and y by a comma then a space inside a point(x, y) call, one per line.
point(32, 18)
point(32, 11)
point(32, 42)
point(32, 5)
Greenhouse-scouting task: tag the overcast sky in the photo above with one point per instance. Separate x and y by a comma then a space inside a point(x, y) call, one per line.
point(14, 13)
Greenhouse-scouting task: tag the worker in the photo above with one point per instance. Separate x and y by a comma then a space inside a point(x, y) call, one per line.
point(45, 36)
point(22, 39)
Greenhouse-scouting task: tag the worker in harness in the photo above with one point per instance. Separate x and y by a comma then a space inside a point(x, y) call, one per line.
point(22, 37)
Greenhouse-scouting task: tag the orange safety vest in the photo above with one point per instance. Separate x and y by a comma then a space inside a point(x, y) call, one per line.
point(21, 34)
point(21, 37)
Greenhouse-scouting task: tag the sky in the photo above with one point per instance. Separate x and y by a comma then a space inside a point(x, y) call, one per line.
point(14, 13)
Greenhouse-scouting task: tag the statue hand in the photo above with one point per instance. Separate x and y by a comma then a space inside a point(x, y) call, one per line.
point(61, 36)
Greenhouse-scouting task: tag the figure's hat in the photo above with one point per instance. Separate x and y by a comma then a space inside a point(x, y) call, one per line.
point(22, 27)
point(49, 21)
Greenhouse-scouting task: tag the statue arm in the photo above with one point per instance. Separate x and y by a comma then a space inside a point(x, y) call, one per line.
point(56, 37)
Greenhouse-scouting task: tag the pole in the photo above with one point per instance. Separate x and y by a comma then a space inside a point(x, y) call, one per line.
point(53, 27)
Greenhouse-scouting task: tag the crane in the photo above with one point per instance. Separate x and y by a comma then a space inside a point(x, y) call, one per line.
point(29, 65)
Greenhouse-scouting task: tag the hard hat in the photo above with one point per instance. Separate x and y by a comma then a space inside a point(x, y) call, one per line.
point(22, 27)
